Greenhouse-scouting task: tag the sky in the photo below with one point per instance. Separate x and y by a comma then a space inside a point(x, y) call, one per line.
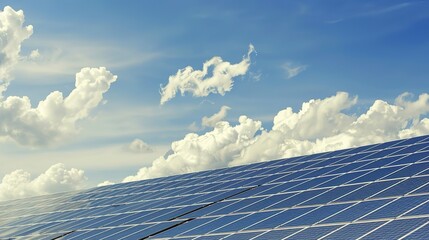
point(101, 92)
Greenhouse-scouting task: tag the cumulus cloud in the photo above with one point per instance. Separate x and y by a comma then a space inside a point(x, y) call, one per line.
point(292, 70)
point(12, 34)
point(211, 150)
point(57, 178)
point(215, 118)
point(105, 183)
point(201, 83)
point(320, 125)
point(55, 116)
point(138, 146)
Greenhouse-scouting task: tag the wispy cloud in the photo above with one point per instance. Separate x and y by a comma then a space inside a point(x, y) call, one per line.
point(292, 70)
point(215, 118)
point(201, 83)
point(388, 9)
point(59, 57)
point(373, 11)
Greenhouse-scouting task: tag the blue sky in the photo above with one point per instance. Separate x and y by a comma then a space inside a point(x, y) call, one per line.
point(370, 49)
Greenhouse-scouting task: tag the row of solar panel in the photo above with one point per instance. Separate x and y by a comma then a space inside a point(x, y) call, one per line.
point(294, 185)
point(301, 174)
point(239, 184)
point(226, 207)
point(222, 208)
point(316, 180)
point(290, 161)
point(404, 228)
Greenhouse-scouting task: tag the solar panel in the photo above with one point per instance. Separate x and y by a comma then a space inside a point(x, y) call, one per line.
point(379, 191)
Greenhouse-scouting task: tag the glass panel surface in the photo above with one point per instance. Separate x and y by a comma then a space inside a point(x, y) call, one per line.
point(356, 211)
point(396, 229)
point(353, 231)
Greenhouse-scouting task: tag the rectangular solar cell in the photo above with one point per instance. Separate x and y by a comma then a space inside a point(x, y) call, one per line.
point(297, 199)
point(418, 233)
point(244, 222)
point(397, 207)
point(313, 232)
point(367, 191)
point(216, 223)
point(276, 234)
point(317, 215)
point(353, 231)
point(403, 187)
point(265, 202)
point(331, 195)
point(241, 236)
point(280, 218)
point(396, 228)
point(356, 211)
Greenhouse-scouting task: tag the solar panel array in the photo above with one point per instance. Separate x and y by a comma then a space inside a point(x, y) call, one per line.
point(372, 192)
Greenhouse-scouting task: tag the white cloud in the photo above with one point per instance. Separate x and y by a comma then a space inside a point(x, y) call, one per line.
point(320, 125)
point(215, 118)
point(211, 150)
point(12, 34)
point(19, 184)
point(292, 70)
point(138, 146)
point(35, 54)
point(193, 127)
point(56, 116)
point(105, 183)
point(201, 83)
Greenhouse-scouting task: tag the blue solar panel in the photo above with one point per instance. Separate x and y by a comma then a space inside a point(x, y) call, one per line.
point(280, 218)
point(378, 191)
point(241, 236)
point(354, 231)
point(356, 211)
point(317, 215)
point(397, 207)
point(276, 234)
point(313, 232)
point(396, 228)
point(419, 233)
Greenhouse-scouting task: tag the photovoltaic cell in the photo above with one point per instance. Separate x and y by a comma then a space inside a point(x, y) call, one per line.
point(313, 232)
point(241, 236)
point(316, 215)
point(420, 233)
point(276, 234)
point(396, 228)
point(356, 211)
point(280, 218)
point(353, 231)
point(379, 191)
